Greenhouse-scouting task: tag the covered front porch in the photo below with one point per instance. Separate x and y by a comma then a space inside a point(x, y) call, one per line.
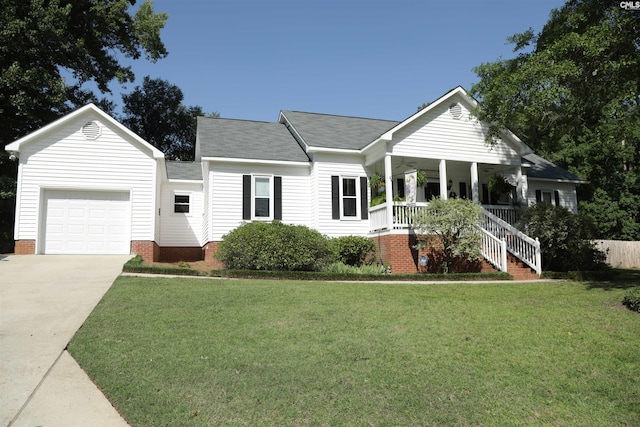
point(390, 213)
point(498, 187)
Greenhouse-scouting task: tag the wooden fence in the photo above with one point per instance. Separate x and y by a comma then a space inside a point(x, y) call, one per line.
point(620, 254)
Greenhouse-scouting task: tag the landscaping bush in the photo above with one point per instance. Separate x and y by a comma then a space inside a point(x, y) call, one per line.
point(564, 238)
point(354, 250)
point(451, 225)
point(274, 246)
point(342, 268)
point(632, 299)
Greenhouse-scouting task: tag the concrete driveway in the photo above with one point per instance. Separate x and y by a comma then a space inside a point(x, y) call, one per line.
point(43, 301)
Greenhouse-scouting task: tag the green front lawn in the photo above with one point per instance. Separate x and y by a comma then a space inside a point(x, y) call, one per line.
point(200, 352)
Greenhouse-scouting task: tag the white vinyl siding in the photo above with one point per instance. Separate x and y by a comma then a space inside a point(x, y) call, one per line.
point(326, 166)
point(181, 228)
point(225, 204)
point(437, 135)
point(64, 159)
point(566, 193)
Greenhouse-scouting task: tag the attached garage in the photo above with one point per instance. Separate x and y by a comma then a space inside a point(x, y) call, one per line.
point(86, 222)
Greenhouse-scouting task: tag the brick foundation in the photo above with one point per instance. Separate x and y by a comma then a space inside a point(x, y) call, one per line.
point(25, 247)
point(397, 250)
point(180, 253)
point(148, 250)
point(209, 252)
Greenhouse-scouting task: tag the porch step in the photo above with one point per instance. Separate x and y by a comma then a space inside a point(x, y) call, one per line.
point(515, 267)
point(519, 270)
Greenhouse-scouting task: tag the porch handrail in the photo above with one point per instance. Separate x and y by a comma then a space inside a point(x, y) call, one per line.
point(494, 250)
point(504, 212)
point(518, 243)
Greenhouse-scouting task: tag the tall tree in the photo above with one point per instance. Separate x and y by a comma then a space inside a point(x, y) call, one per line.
point(49, 49)
point(156, 113)
point(573, 93)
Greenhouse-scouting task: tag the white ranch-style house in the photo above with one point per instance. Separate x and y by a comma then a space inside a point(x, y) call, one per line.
point(88, 185)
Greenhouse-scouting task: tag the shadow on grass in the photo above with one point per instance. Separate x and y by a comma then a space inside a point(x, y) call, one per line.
point(620, 279)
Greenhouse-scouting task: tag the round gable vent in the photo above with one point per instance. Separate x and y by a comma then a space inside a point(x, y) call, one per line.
point(455, 110)
point(91, 130)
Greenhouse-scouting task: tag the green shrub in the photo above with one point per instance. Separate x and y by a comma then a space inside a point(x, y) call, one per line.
point(354, 250)
point(274, 246)
point(564, 238)
point(632, 299)
point(341, 268)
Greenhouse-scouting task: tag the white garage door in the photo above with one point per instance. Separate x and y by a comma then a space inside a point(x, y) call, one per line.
point(86, 222)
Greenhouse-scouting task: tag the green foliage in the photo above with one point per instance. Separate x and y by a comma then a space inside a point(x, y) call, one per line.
point(379, 199)
point(571, 93)
point(274, 246)
point(632, 299)
point(156, 113)
point(375, 181)
point(342, 268)
point(564, 238)
point(353, 250)
point(48, 51)
point(454, 222)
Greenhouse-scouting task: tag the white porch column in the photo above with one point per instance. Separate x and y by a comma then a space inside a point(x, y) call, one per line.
point(444, 193)
point(388, 184)
point(475, 186)
point(519, 185)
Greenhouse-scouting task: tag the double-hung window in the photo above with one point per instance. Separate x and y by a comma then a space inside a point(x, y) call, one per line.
point(262, 197)
point(548, 196)
point(349, 197)
point(181, 203)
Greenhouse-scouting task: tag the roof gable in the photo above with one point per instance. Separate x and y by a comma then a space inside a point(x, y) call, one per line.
point(245, 139)
point(458, 94)
point(90, 111)
point(335, 132)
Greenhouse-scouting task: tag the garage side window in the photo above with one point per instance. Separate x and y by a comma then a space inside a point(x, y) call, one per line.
point(181, 203)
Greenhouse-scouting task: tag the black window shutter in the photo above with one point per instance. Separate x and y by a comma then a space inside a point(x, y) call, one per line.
point(335, 197)
point(364, 200)
point(538, 196)
point(557, 196)
point(246, 197)
point(277, 198)
point(401, 188)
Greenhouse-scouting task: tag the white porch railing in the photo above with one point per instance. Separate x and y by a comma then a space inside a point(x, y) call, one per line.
point(494, 250)
point(505, 213)
point(378, 217)
point(519, 244)
point(402, 216)
point(497, 233)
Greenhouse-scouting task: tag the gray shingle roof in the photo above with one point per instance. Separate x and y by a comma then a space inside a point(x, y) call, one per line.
point(544, 169)
point(328, 131)
point(246, 139)
point(184, 170)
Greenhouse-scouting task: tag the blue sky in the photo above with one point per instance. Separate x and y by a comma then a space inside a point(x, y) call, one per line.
point(249, 59)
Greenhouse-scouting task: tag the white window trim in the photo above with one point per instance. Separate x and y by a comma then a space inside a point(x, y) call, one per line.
point(358, 214)
point(190, 204)
point(550, 191)
point(253, 198)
